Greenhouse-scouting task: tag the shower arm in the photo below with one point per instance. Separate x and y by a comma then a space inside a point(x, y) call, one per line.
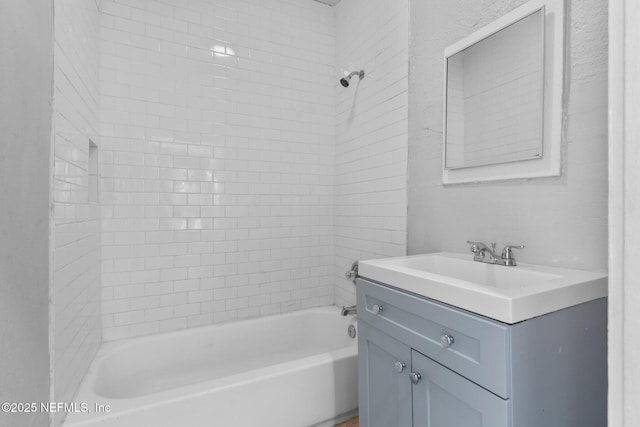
point(357, 73)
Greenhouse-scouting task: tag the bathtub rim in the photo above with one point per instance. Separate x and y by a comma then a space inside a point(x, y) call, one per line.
point(87, 392)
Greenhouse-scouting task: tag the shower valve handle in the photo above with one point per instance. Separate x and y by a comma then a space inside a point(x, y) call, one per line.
point(352, 274)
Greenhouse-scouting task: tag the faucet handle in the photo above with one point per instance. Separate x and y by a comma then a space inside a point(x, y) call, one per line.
point(507, 253)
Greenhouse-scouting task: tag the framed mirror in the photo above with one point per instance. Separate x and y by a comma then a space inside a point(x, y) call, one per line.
point(503, 97)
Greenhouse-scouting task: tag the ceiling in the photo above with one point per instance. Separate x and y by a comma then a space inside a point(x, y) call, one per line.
point(329, 2)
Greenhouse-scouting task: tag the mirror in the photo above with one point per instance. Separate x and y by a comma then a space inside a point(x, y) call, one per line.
point(502, 104)
point(494, 97)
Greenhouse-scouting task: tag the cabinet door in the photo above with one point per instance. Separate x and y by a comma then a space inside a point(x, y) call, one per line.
point(442, 398)
point(384, 387)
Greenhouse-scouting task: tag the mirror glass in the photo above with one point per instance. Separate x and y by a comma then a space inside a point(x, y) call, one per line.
point(494, 100)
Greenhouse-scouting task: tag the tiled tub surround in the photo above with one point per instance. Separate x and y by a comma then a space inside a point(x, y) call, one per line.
point(76, 227)
point(370, 199)
point(297, 369)
point(217, 142)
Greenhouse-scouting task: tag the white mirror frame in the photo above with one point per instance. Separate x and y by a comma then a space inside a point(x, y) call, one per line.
point(554, 52)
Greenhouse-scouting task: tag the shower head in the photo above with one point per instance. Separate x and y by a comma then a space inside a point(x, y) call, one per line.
point(345, 80)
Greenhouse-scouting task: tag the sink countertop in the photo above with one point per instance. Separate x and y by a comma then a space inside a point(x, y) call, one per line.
point(506, 294)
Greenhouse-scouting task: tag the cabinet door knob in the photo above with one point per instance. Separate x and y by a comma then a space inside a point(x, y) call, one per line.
point(415, 377)
point(446, 340)
point(377, 308)
point(400, 366)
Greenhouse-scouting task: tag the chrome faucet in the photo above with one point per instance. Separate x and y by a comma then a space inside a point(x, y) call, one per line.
point(482, 253)
point(352, 309)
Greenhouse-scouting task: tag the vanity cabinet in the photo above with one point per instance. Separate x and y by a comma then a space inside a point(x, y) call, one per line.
point(425, 363)
point(384, 381)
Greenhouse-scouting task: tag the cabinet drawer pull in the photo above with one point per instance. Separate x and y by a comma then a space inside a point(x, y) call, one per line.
point(377, 308)
point(400, 366)
point(446, 340)
point(415, 377)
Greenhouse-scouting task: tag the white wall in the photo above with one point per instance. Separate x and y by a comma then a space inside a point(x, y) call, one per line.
point(26, 45)
point(562, 221)
point(76, 252)
point(217, 136)
point(371, 135)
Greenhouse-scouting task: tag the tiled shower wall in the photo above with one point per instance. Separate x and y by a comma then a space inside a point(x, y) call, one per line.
point(217, 153)
point(371, 135)
point(76, 235)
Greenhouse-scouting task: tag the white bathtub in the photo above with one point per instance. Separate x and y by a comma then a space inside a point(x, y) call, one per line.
point(296, 370)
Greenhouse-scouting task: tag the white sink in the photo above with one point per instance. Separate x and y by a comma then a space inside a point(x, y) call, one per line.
point(507, 294)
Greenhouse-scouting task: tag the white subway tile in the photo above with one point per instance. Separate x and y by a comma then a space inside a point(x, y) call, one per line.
point(200, 320)
point(128, 318)
point(221, 188)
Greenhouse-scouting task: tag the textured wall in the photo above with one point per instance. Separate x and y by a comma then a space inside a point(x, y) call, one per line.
point(26, 43)
point(371, 135)
point(217, 135)
point(562, 221)
point(76, 252)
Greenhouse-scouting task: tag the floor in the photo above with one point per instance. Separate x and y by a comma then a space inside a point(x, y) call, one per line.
point(351, 423)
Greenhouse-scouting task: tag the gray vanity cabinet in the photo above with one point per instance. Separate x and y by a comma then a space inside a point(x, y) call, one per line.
point(427, 364)
point(441, 398)
point(386, 392)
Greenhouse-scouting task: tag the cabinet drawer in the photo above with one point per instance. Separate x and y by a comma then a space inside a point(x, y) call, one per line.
point(479, 350)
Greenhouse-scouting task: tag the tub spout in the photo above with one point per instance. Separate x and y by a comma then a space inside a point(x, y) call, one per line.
point(348, 310)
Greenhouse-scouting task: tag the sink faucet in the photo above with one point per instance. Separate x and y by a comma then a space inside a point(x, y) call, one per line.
point(348, 310)
point(482, 253)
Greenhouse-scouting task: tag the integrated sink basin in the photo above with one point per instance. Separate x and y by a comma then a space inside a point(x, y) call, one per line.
point(507, 294)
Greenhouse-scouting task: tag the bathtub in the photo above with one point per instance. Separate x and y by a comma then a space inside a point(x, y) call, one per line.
point(292, 370)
